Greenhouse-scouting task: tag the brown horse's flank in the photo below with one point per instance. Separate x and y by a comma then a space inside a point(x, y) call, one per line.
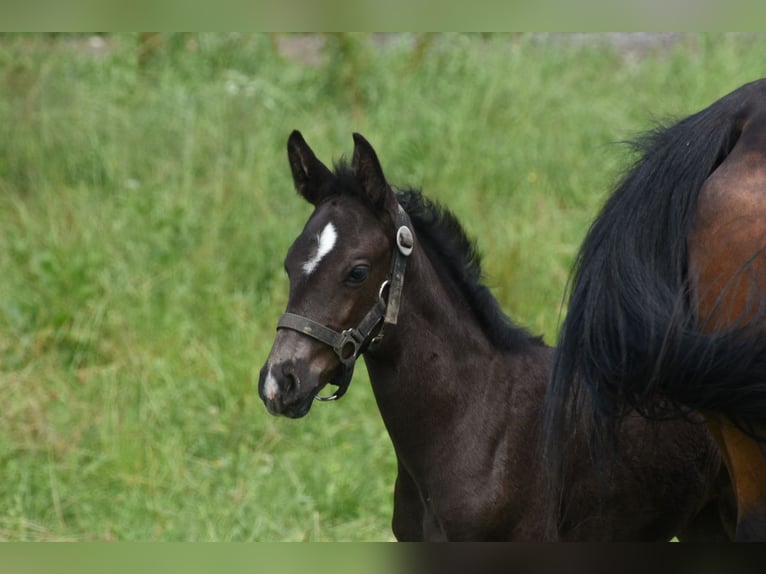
point(727, 264)
point(667, 306)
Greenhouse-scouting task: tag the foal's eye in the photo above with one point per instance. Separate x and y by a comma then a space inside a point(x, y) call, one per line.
point(358, 275)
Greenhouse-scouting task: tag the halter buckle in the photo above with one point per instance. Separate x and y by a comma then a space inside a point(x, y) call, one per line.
point(348, 347)
point(404, 240)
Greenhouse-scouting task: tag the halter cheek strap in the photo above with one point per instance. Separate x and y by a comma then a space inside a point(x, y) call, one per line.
point(349, 344)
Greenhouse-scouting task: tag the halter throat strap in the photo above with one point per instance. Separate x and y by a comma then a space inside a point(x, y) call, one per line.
point(349, 344)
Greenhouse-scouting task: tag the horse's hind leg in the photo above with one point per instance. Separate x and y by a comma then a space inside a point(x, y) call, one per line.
point(745, 458)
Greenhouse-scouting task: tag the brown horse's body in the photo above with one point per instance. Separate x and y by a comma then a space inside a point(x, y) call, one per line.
point(459, 388)
point(727, 261)
point(669, 301)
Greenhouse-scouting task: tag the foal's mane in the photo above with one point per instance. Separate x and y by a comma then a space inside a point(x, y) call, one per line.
point(455, 257)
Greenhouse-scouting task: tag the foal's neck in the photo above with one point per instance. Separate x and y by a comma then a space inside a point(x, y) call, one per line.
point(441, 383)
point(435, 359)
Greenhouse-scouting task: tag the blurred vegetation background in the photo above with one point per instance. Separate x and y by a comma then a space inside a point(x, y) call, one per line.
point(146, 205)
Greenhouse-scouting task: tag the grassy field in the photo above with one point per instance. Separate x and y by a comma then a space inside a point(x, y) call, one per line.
point(145, 208)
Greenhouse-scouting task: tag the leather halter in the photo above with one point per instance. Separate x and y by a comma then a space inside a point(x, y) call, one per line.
point(351, 343)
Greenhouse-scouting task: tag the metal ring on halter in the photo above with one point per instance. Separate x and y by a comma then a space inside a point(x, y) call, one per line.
point(333, 397)
point(383, 287)
point(342, 384)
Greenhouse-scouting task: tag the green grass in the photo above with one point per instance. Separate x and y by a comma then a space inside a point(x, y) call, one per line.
point(145, 211)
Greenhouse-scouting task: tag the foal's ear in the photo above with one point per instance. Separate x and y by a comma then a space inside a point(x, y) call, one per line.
point(368, 171)
point(310, 175)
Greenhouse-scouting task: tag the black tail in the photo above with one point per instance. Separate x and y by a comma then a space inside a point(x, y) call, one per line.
point(631, 339)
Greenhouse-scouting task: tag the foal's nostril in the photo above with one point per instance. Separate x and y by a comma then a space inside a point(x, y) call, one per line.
point(291, 380)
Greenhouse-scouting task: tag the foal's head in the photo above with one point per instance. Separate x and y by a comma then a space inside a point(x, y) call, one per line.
point(337, 268)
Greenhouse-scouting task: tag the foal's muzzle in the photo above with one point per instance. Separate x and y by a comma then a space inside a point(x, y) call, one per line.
point(290, 386)
point(347, 345)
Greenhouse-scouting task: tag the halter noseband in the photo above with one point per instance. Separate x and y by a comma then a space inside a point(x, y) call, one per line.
point(351, 343)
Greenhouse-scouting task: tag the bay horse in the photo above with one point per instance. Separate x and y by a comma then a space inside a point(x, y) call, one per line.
point(666, 305)
point(392, 277)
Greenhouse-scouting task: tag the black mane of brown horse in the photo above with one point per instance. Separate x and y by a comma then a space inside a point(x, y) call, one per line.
point(668, 299)
point(460, 388)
